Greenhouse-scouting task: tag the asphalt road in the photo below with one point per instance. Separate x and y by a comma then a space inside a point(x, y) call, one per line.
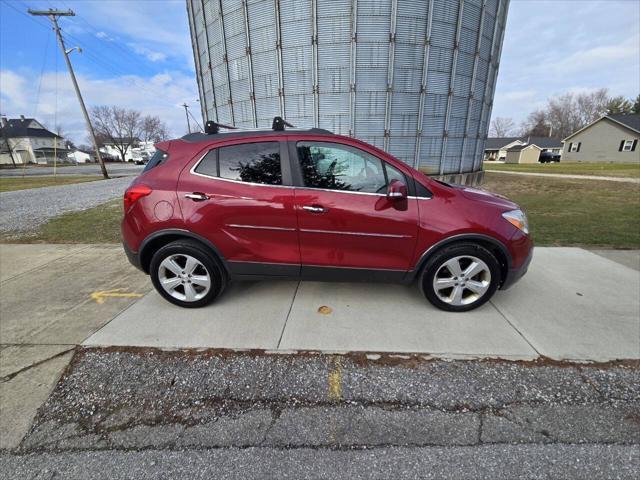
point(114, 170)
point(143, 413)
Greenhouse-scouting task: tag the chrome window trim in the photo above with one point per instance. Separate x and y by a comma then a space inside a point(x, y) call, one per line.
point(192, 171)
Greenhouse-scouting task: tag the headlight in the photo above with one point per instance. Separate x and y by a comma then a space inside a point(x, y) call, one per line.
point(518, 219)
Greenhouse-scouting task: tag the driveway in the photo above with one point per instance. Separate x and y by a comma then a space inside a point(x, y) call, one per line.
point(25, 210)
point(572, 305)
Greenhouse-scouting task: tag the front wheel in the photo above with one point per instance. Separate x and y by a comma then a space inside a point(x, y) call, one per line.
point(186, 274)
point(460, 277)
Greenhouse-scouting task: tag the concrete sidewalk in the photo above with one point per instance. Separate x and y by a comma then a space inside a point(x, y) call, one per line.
point(570, 176)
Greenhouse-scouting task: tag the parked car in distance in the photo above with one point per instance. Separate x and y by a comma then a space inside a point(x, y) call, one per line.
point(548, 157)
point(307, 204)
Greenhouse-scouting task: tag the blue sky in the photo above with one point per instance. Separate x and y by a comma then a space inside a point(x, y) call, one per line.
point(137, 53)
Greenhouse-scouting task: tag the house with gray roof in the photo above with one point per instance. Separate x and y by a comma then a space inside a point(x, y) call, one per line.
point(25, 140)
point(611, 138)
point(497, 148)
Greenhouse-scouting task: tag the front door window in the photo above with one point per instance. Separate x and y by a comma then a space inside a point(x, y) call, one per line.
point(341, 167)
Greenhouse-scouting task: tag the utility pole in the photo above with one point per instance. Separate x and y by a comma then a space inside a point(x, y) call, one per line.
point(53, 16)
point(6, 139)
point(186, 112)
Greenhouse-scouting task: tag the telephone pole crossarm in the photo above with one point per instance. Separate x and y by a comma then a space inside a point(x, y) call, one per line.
point(53, 16)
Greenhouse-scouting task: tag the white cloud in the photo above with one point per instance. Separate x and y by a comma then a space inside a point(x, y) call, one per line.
point(102, 35)
point(153, 56)
point(159, 95)
point(159, 29)
point(602, 56)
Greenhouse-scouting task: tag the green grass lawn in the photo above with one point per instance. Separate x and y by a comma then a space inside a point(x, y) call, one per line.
point(602, 169)
point(100, 224)
point(561, 212)
point(574, 212)
point(8, 184)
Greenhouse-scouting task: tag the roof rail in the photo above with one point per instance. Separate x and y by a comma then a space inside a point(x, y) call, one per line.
point(211, 127)
point(279, 124)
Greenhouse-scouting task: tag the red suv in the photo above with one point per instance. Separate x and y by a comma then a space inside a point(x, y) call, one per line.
point(308, 204)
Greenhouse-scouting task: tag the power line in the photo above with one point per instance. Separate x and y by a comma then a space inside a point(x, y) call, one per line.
point(109, 68)
point(196, 120)
point(44, 62)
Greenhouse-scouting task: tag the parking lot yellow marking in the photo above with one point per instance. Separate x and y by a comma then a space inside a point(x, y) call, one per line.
point(101, 296)
point(335, 380)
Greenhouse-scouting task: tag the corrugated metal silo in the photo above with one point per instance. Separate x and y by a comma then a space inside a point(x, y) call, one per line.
point(414, 77)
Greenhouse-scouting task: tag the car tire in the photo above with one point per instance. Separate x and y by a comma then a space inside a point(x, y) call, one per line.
point(186, 274)
point(471, 288)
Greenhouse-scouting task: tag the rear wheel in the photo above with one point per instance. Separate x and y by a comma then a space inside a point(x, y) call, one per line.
point(186, 274)
point(460, 277)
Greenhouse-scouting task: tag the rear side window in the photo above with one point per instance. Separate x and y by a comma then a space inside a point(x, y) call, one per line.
point(156, 159)
point(249, 162)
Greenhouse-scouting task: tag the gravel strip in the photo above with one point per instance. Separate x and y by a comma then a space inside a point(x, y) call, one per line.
point(25, 210)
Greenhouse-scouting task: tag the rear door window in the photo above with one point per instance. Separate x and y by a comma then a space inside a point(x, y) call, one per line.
point(248, 162)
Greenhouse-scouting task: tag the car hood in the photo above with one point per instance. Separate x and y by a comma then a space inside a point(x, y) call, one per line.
point(478, 195)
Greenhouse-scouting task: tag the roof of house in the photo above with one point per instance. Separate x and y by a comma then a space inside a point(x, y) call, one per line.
point(497, 143)
point(543, 142)
point(19, 127)
point(630, 121)
point(517, 148)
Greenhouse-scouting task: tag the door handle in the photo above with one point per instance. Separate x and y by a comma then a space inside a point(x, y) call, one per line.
point(314, 208)
point(197, 196)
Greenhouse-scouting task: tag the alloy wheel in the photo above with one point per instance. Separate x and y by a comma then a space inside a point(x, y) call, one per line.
point(462, 280)
point(184, 277)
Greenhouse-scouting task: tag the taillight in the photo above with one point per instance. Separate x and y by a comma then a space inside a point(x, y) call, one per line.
point(135, 193)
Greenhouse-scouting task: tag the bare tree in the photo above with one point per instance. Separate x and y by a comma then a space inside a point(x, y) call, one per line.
point(567, 113)
point(636, 105)
point(502, 127)
point(536, 125)
point(592, 106)
point(117, 126)
point(153, 129)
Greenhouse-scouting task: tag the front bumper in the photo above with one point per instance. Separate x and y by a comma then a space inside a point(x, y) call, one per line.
point(515, 274)
point(133, 257)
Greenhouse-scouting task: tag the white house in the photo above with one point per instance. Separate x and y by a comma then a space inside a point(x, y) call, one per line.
point(78, 156)
point(111, 150)
point(25, 140)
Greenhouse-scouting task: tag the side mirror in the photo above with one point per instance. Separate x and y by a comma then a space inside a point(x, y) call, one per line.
point(397, 190)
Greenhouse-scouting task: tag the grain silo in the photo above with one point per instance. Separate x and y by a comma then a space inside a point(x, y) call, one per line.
point(414, 77)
